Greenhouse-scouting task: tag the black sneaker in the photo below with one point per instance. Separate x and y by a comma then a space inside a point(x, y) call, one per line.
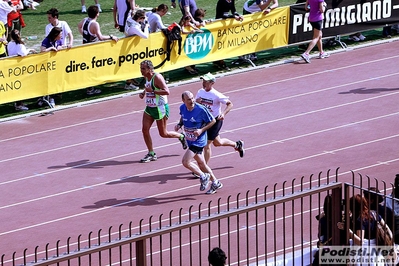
point(240, 147)
point(148, 158)
point(183, 142)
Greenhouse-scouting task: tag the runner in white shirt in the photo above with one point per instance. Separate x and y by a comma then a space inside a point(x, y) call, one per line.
point(213, 100)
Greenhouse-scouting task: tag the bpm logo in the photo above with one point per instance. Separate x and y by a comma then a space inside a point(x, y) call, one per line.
point(198, 45)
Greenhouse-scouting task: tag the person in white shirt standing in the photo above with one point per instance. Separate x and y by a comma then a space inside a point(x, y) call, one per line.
point(121, 11)
point(213, 101)
point(66, 35)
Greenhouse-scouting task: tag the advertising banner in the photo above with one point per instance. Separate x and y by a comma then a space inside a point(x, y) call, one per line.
point(344, 17)
point(104, 62)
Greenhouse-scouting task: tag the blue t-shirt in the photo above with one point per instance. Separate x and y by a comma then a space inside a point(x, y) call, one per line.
point(47, 43)
point(192, 5)
point(195, 119)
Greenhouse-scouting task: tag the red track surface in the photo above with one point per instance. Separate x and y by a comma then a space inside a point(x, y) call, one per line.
point(77, 171)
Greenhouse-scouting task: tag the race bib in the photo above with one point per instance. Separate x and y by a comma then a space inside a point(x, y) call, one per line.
point(150, 99)
point(189, 132)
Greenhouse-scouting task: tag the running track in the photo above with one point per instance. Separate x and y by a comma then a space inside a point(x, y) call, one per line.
point(77, 171)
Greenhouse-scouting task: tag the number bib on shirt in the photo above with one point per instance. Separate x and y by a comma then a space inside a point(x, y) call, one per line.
point(189, 132)
point(150, 99)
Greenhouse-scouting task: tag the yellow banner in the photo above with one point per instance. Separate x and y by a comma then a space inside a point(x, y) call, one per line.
point(104, 62)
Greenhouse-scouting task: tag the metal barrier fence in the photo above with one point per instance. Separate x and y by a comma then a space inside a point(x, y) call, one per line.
point(263, 227)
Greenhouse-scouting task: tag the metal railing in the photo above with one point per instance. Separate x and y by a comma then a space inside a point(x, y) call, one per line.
point(261, 227)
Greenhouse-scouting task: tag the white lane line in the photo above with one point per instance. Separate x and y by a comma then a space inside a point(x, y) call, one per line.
point(224, 154)
point(68, 126)
point(237, 90)
point(237, 129)
point(193, 186)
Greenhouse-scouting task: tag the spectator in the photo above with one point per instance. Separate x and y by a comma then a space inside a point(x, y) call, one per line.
point(157, 109)
point(199, 16)
point(91, 32)
point(188, 27)
point(5, 9)
point(374, 200)
point(155, 17)
point(173, 3)
point(251, 7)
point(213, 101)
point(324, 232)
point(121, 11)
point(316, 17)
point(32, 4)
point(84, 6)
point(196, 120)
point(392, 202)
point(16, 47)
point(15, 19)
point(52, 43)
point(217, 257)
point(363, 227)
point(136, 25)
point(3, 40)
point(188, 8)
point(226, 9)
point(52, 16)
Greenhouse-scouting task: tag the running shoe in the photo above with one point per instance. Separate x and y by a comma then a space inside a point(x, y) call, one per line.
point(99, 8)
point(148, 158)
point(20, 107)
point(51, 103)
point(93, 91)
point(214, 187)
point(131, 87)
point(240, 147)
point(324, 55)
point(354, 38)
point(84, 9)
point(183, 141)
point(253, 57)
point(204, 181)
point(305, 57)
